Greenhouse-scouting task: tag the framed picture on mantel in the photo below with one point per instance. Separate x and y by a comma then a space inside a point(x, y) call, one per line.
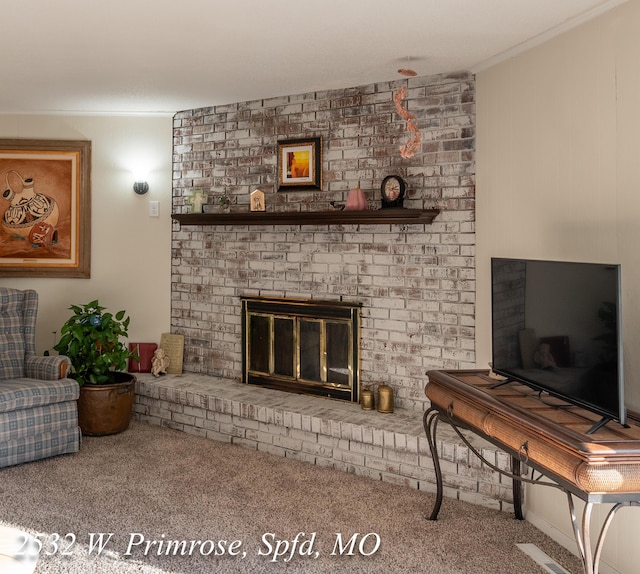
point(300, 164)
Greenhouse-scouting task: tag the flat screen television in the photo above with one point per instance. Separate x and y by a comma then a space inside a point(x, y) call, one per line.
point(556, 327)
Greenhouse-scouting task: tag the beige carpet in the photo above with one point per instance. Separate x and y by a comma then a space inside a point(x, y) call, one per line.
point(153, 485)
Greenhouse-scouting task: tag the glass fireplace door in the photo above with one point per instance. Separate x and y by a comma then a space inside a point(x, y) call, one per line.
point(313, 349)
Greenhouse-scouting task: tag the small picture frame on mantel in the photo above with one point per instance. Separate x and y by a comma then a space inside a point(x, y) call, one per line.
point(300, 164)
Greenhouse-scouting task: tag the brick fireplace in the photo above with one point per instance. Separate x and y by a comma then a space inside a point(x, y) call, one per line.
point(415, 282)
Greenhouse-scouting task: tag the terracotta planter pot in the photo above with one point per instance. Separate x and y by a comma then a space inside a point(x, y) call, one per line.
point(106, 409)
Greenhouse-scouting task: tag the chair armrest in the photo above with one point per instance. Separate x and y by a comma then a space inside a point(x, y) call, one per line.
point(47, 368)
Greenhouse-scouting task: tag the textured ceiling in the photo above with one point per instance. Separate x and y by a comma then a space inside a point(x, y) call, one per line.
point(161, 56)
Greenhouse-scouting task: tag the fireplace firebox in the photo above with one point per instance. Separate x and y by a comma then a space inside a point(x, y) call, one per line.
point(302, 346)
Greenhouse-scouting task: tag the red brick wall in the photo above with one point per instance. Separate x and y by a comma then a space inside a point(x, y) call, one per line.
point(416, 282)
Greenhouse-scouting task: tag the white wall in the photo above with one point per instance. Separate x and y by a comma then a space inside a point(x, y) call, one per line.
point(557, 178)
point(130, 251)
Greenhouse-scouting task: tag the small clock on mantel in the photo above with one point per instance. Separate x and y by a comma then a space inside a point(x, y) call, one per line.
point(392, 191)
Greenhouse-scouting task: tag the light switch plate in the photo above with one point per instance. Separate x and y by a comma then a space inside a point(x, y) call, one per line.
point(154, 208)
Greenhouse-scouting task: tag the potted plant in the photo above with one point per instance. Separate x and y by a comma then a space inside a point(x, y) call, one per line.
point(92, 339)
point(224, 202)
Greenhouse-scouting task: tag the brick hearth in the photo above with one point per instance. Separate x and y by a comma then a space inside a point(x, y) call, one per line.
point(388, 447)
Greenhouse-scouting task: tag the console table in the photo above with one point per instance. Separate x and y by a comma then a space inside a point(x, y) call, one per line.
point(549, 436)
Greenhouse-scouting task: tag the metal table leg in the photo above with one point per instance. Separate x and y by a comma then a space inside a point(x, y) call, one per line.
point(582, 532)
point(430, 422)
point(517, 488)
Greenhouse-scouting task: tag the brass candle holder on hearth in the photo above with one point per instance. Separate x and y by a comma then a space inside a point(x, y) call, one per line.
point(385, 398)
point(367, 400)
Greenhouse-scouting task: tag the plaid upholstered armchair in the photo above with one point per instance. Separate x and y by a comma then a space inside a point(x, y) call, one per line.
point(38, 409)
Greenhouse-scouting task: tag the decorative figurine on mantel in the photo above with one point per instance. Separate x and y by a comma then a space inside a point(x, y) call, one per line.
point(257, 200)
point(197, 199)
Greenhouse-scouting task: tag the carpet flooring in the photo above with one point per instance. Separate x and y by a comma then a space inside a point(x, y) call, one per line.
point(163, 501)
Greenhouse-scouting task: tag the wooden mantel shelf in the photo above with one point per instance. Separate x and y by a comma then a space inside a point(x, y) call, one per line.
point(371, 217)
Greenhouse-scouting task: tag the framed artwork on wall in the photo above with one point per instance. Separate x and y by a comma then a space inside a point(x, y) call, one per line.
point(300, 164)
point(45, 208)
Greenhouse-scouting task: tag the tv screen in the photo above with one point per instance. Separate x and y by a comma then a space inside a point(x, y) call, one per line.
point(556, 327)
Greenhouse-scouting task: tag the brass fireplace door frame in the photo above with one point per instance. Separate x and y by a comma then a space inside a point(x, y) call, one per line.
point(340, 384)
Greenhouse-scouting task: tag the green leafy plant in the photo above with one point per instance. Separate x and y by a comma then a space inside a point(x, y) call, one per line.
point(91, 338)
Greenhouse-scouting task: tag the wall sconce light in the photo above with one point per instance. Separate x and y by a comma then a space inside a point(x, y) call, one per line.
point(141, 187)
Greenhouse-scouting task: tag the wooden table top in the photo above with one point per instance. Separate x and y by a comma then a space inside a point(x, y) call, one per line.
point(555, 432)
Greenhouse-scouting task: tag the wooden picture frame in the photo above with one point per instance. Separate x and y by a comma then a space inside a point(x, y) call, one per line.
point(45, 208)
point(300, 164)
